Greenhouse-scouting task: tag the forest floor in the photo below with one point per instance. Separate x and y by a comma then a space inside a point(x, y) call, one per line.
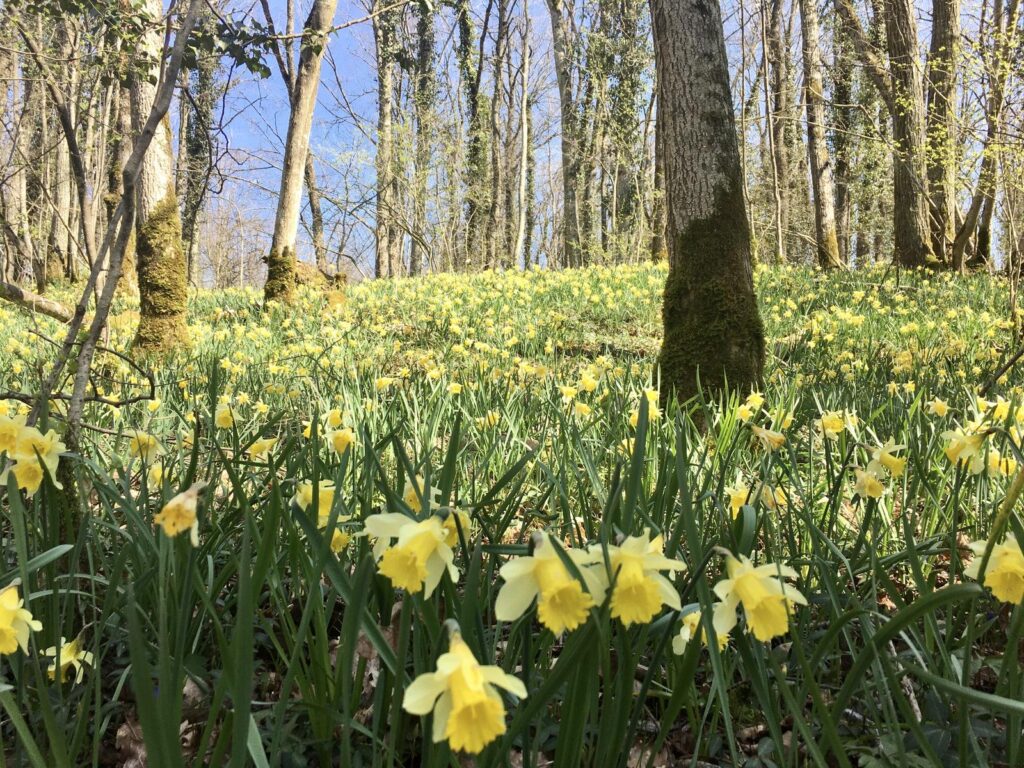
point(469, 443)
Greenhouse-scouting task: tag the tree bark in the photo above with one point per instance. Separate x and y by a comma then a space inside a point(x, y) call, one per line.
point(424, 96)
point(280, 283)
point(843, 134)
point(388, 252)
point(911, 231)
point(942, 124)
point(572, 220)
point(822, 181)
point(159, 252)
point(713, 332)
point(778, 109)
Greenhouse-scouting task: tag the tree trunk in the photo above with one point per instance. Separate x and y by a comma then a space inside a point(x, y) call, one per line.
point(196, 135)
point(572, 223)
point(159, 254)
point(822, 182)
point(659, 247)
point(518, 251)
point(713, 332)
point(778, 109)
point(424, 96)
point(280, 283)
point(843, 137)
point(998, 69)
point(942, 124)
point(911, 232)
point(316, 214)
point(388, 261)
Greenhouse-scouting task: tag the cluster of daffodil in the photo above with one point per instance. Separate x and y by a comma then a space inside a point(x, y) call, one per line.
point(17, 625)
point(565, 584)
point(30, 454)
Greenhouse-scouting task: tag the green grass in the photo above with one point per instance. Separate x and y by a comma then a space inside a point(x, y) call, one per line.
point(263, 647)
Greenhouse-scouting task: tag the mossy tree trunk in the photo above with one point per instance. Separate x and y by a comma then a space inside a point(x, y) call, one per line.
point(280, 284)
point(159, 252)
point(713, 332)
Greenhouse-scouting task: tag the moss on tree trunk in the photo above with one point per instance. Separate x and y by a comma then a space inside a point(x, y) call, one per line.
point(713, 330)
point(280, 285)
point(163, 280)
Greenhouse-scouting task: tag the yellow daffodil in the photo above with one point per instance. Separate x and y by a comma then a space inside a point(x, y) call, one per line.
point(938, 407)
point(420, 555)
point(1004, 573)
point(770, 440)
point(468, 710)
point(261, 448)
point(455, 519)
point(884, 456)
point(738, 494)
point(832, 424)
point(144, 446)
point(773, 497)
point(72, 656)
point(689, 628)
point(325, 499)
point(562, 603)
point(998, 465)
point(179, 514)
point(760, 590)
point(15, 622)
point(339, 540)
point(11, 429)
point(639, 589)
point(868, 485)
point(965, 448)
point(224, 416)
point(340, 439)
point(334, 418)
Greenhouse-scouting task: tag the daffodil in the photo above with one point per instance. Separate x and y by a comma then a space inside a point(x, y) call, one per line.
point(455, 519)
point(938, 407)
point(738, 494)
point(562, 602)
point(420, 554)
point(998, 465)
point(770, 439)
point(179, 514)
point(339, 540)
point(72, 656)
point(468, 710)
point(832, 424)
point(689, 628)
point(33, 452)
point(884, 456)
point(144, 445)
point(11, 429)
point(639, 590)
point(1004, 572)
point(867, 484)
point(340, 439)
point(965, 448)
point(15, 622)
point(261, 448)
point(224, 416)
point(760, 590)
point(303, 498)
point(334, 418)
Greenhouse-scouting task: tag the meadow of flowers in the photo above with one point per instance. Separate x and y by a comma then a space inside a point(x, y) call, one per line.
point(451, 521)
